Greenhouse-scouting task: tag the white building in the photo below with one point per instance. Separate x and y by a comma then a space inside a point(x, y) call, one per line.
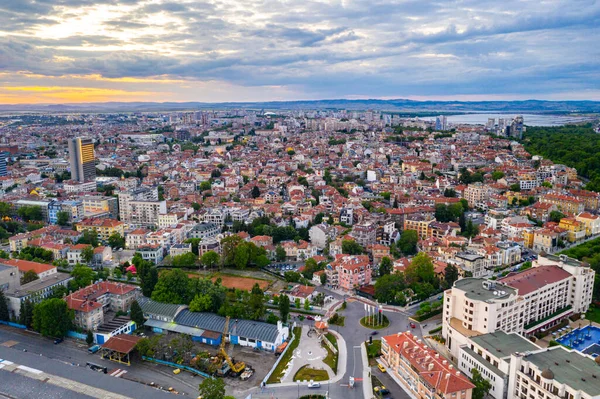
point(525, 302)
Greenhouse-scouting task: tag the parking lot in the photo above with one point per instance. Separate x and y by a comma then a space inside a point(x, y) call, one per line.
point(284, 267)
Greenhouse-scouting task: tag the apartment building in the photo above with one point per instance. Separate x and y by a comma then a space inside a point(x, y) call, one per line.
point(473, 263)
point(575, 229)
point(564, 203)
point(422, 371)
point(476, 194)
point(348, 272)
point(96, 205)
point(92, 302)
point(204, 230)
point(539, 297)
point(545, 240)
point(365, 233)
point(419, 223)
point(140, 207)
point(104, 227)
point(591, 223)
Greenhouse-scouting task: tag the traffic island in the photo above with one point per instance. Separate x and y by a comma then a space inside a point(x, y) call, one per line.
point(309, 374)
point(375, 322)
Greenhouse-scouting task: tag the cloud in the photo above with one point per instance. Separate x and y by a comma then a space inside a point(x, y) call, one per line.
point(310, 49)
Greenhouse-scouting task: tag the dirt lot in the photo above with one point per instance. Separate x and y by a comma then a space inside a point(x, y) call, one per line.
point(241, 283)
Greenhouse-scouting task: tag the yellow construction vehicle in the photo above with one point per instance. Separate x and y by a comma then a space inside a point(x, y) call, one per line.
point(238, 367)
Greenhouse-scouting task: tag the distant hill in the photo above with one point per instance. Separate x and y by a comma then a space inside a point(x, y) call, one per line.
point(399, 105)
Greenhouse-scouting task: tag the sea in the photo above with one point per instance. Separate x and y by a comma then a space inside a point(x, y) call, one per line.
point(477, 118)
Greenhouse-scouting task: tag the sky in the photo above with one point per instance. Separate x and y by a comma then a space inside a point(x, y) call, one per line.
point(68, 51)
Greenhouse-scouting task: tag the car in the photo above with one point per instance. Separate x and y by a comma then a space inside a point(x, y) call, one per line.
point(381, 368)
point(413, 325)
point(309, 318)
point(314, 385)
point(58, 341)
point(375, 333)
point(176, 371)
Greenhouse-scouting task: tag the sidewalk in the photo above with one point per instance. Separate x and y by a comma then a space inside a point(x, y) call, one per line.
point(342, 363)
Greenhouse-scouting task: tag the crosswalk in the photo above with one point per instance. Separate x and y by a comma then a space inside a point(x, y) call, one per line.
point(117, 373)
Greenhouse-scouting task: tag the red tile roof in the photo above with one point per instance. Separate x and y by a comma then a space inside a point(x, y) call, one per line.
point(122, 343)
point(532, 279)
point(25, 265)
point(431, 366)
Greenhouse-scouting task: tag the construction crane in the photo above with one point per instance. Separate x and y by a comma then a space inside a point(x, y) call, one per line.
point(237, 367)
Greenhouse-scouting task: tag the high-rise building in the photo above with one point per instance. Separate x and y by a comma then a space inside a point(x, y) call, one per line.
point(3, 171)
point(81, 154)
point(441, 123)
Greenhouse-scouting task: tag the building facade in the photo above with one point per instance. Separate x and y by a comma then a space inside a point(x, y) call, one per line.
point(81, 157)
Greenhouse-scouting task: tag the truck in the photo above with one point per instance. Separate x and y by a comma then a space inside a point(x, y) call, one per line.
point(279, 350)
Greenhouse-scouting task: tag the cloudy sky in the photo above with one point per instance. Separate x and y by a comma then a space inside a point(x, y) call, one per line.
point(254, 50)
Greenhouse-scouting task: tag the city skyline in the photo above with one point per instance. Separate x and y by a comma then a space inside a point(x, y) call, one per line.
point(219, 50)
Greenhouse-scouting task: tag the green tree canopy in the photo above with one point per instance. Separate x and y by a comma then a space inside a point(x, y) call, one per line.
point(63, 218)
point(116, 240)
point(172, 287)
point(212, 388)
point(52, 318)
point(137, 315)
point(385, 266)
point(284, 307)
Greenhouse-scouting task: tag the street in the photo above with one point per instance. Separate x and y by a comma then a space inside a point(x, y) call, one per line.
point(74, 354)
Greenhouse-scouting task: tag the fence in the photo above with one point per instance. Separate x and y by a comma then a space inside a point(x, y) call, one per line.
point(15, 325)
point(76, 335)
point(177, 366)
point(281, 356)
point(329, 344)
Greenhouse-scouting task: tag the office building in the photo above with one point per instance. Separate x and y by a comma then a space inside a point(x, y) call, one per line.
point(81, 156)
point(3, 170)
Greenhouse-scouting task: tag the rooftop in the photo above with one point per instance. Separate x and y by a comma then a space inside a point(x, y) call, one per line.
point(25, 265)
point(569, 367)
point(532, 279)
point(474, 289)
point(502, 344)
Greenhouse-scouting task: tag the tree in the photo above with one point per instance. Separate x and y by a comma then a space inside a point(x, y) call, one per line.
point(292, 276)
point(516, 187)
point(228, 246)
point(195, 205)
point(137, 314)
point(450, 275)
point(116, 240)
point(497, 175)
point(26, 313)
point(212, 388)
point(482, 385)
point(201, 303)
point(323, 278)
point(351, 247)
point(63, 218)
point(52, 318)
point(280, 254)
point(255, 192)
point(385, 266)
point(184, 260)
point(408, 242)
point(89, 339)
point(262, 261)
point(306, 304)
point(556, 216)
point(148, 275)
point(205, 185)
point(284, 307)
point(388, 289)
point(29, 276)
point(172, 287)
point(5, 209)
point(82, 277)
point(257, 302)
point(210, 259)
point(4, 313)
point(87, 254)
point(30, 213)
point(90, 237)
point(241, 256)
point(420, 269)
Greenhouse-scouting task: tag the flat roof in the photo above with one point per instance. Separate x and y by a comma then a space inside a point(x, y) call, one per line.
point(481, 360)
point(473, 288)
point(502, 344)
point(569, 367)
point(39, 284)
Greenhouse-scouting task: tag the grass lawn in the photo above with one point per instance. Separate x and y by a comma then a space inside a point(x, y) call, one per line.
point(306, 374)
point(332, 358)
point(337, 320)
point(593, 314)
point(368, 322)
point(283, 363)
point(373, 351)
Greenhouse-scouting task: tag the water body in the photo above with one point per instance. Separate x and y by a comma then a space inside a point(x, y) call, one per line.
point(529, 119)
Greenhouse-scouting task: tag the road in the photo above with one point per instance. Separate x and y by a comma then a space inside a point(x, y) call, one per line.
point(354, 334)
point(74, 353)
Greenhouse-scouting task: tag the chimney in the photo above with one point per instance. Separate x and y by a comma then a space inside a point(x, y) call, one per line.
point(450, 366)
point(447, 375)
point(430, 366)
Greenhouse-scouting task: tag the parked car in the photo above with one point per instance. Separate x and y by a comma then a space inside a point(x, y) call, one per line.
point(313, 384)
point(413, 325)
point(58, 341)
point(309, 318)
point(176, 371)
point(381, 368)
point(375, 333)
